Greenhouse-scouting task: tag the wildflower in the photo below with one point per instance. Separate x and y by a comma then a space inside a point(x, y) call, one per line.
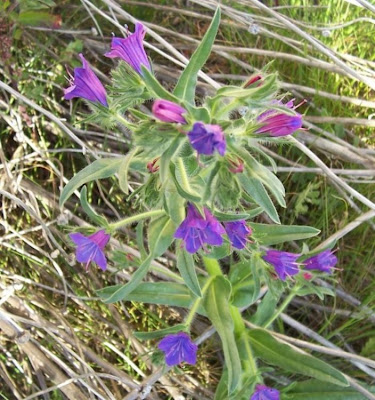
point(177, 348)
point(237, 232)
point(237, 166)
point(207, 138)
point(131, 49)
point(276, 123)
point(86, 84)
point(307, 276)
point(252, 80)
point(324, 262)
point(284, 263)
point(265, 393)
point(91, 248)
point(167, 111)
point(196, 230)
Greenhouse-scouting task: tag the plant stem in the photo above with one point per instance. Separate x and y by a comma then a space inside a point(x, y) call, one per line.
point(240, 331)
point(212, 266)
point(283, 306)
point(135, 218)
point(189, 318)
point(184, 176)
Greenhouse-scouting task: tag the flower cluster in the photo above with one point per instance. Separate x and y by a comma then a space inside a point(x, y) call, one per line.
point(197, 230)
point(285, 264)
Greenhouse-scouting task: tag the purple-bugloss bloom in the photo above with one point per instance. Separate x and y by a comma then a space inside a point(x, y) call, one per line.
point(91, 248)
point(284, 263)
point(177, 348)
point(237, 232)
point(131, 49)
point(324, 261)
point(276, 123)
point(207, 138)
point(265, 393)
point(197, 230)
point(167, 111)
point(86, 84)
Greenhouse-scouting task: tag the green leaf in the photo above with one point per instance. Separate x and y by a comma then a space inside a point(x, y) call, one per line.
point(167, 156)
point(97, 219)
point(160, 333)
point(185, 264)
point(122, 292)
point(224, 217)
point(266, 309)
point(256, 191)
point(314, 390)
point(245, 283)
point(160, 235)
point(99, 169)
point(272, 351)
point(268, 235)
point(216, 303)
point(155, 87)
point(140, 239)
point(183, 190)
point(123, 170)
point(166, 293)
point(174, 204)
point(185, 87)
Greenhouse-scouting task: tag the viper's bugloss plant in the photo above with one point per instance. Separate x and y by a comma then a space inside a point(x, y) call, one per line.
point(202, 184)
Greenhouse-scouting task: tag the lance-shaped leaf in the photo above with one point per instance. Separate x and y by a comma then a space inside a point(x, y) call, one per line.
point(160, 333)
point(183, 186)
point(99, 169)
point(166, 293)
point(258, 193)
point(185, 264)
point(217, 306)
point(268, 235)
point(185, 87)
point(314, 390)
point(123, 170)
point(160, 235)
point(155, 87)
point(91, 213)
point(270, 350)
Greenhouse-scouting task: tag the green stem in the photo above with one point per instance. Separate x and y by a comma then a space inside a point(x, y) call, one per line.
point(282, 307)
point(123, 121)
point(135, 218)
point(212, 266)
point(189, 318)
point(249, 365)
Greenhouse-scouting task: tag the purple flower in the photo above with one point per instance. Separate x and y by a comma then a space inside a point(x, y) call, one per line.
point(167, 111)
point(91, 248)
point(265, 393)
point(284, 263)
point(196, 230)
point(207, 138)
point(276, 123)
point(177, 348)
point(86, 84)
point(237, 232)
point(131, 49)
point(324, 261)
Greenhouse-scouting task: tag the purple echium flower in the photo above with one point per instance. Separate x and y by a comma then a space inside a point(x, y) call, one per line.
point(177, 348)
point(86, 84)
point(90, 248)
point(131, 49)
point(265, 393)
point(167, 111)
point(207, 138)
point(276, 123)
point(324, 261)
point(197, 230)
point(284, 263)
point(237, 232)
